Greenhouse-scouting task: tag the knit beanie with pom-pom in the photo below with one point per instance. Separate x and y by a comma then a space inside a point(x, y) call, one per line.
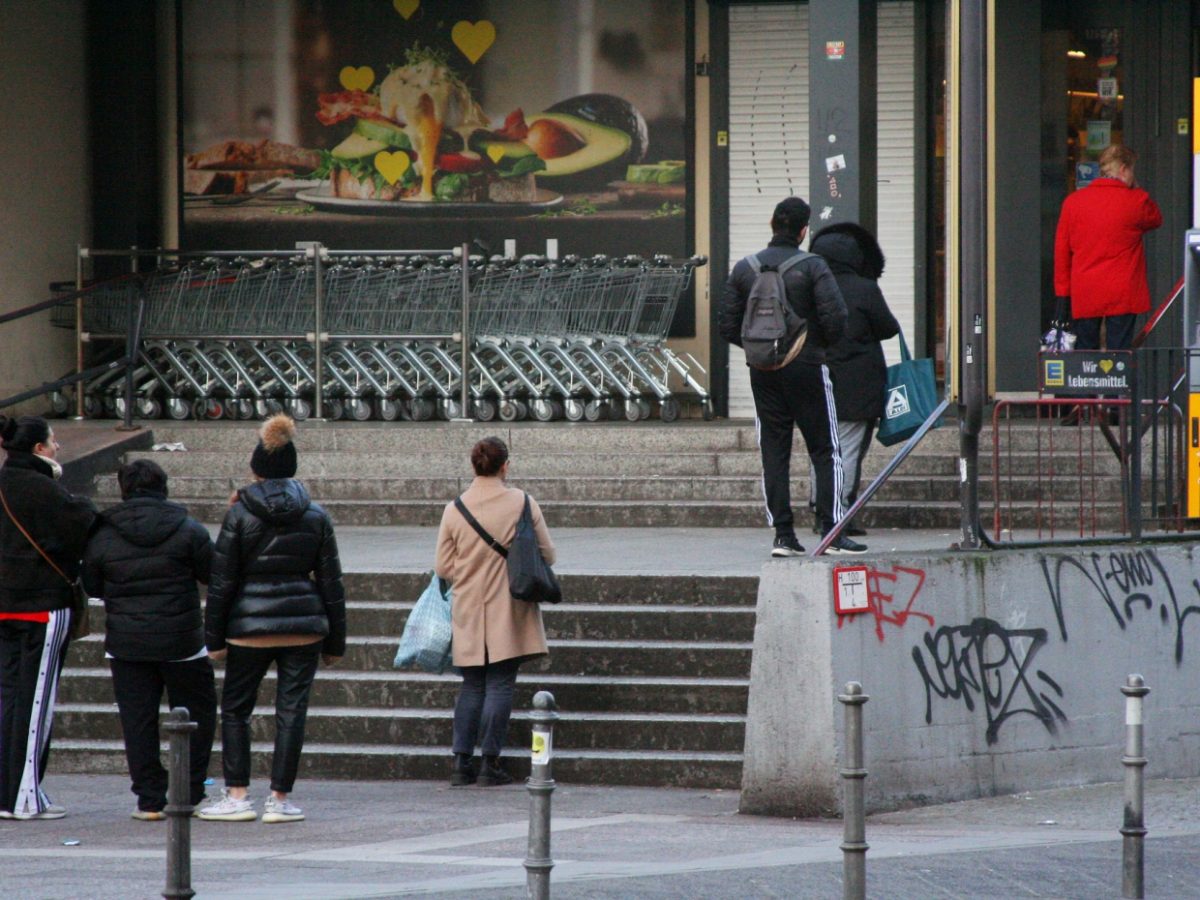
point(275, 455)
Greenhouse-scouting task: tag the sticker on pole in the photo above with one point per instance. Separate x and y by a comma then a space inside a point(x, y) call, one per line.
point(541, 748)
point(850, 593)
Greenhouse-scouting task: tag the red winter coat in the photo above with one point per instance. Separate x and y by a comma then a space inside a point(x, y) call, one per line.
point(1098, 257)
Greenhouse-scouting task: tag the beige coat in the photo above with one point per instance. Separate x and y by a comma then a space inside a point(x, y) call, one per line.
point(489, 625)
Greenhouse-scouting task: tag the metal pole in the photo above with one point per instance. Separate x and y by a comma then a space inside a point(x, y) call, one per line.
point(854, 839)
point(179, 807)
point(540, 786)
point(79, 385)
point(466, 412)
point(318, 325)
point(1133, 882)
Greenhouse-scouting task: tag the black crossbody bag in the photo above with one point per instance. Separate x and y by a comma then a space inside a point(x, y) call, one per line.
point(529, 575)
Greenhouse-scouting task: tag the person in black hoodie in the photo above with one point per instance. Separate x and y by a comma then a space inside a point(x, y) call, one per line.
point(143, 561)
point(43, 529)
point(275, 597)
point(856, 361)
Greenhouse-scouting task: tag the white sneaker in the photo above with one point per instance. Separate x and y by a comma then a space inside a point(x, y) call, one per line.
point(276, 810)
point(227, 809)
point(50, 810)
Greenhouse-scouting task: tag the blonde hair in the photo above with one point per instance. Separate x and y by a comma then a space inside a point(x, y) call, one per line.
point(1114, 157)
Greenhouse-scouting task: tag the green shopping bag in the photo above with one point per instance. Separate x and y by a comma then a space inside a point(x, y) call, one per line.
point(909, 398)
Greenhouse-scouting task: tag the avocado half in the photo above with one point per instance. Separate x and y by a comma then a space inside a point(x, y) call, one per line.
point(614, 135)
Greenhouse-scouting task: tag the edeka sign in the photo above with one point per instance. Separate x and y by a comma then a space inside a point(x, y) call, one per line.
point(1085, 372)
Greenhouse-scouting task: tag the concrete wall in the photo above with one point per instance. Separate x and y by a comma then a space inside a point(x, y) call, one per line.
point(987, 674)
point(44, 194)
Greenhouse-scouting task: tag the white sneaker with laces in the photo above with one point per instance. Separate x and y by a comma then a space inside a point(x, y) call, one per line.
point(276, 810)
point(227, 809)
point(50, 810)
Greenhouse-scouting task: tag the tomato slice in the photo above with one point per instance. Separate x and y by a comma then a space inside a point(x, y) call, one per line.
point(467, 161)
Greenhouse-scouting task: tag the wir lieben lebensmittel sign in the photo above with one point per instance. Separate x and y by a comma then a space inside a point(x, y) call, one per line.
point(1085, 372)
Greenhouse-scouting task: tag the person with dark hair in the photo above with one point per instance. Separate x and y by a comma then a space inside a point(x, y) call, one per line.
point(856, 362)
point(797, 392)
point(493, 633)
point(43, 530)
point(144, 561)
point(276, 596)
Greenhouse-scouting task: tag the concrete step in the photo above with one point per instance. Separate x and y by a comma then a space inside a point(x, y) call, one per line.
point(432, 727)
point(419, 690)
point(707, 659)
point(577, 621)
point(381, 763)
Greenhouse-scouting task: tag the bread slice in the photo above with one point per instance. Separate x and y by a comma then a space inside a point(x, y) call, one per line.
point(262, 154)
point(228, 181)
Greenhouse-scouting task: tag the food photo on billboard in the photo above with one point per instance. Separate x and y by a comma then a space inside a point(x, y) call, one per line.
point(414, 124)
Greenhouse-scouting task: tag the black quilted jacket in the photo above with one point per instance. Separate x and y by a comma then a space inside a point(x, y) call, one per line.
point(276, 570)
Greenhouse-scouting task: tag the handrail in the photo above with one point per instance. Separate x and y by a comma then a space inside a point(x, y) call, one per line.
point(1157, 315)
point(883, 476)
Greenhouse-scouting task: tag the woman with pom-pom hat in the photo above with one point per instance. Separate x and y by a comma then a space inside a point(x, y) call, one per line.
point(275, 597)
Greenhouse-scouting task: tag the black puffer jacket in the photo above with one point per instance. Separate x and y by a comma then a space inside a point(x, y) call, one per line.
point(144, 561)
point(276, 570)
point(55, 518)
point(856, 362)
point(811, 289)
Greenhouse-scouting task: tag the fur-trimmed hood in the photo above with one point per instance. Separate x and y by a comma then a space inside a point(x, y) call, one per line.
point(849, 245)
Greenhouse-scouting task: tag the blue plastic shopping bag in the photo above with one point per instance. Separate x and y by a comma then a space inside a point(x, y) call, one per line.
point(910, 398)
point(425, 643)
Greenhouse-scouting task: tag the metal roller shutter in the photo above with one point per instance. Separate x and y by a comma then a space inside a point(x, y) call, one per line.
point(768, 144)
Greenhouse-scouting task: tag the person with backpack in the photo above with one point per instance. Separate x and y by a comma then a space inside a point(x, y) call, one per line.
point(783, 307)
point(144, 561)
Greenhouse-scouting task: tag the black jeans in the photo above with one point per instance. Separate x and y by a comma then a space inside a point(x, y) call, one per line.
point(800, 394)
point(295, 668)
point(485, 698)
point(1119, 332)
point(138, 687)
point(31, 659)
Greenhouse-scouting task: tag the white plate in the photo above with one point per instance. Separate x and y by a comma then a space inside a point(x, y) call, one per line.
point(322, 199)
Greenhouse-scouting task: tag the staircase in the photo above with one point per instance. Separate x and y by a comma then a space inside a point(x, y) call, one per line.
point(651, 673)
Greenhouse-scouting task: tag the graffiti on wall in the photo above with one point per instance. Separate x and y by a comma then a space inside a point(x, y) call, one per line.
point(892, 597)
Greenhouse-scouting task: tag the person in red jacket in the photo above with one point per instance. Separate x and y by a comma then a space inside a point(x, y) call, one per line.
point(1099, 262)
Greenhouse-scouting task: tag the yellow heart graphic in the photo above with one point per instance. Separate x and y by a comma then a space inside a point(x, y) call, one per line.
point(496, 153)
point(359, 79)
point(391, 165)
point(1106, 365)
point(406, 7)
point(473, 40)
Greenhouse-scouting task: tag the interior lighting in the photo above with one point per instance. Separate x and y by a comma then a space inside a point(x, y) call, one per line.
point(1076, 54)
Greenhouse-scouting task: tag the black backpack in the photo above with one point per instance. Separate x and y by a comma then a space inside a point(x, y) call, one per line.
point(770, 326)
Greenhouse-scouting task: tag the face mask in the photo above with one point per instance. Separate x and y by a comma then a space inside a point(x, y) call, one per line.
point(55, 468)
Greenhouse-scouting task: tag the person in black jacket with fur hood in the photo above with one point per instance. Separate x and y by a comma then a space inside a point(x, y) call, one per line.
point(275, 597)
point(144, 561)
point(856, 361)
point(43, 529)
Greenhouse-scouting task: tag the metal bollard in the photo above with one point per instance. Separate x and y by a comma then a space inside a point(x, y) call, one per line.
point(854, 838)
point(1133, 871)
point(540, 786)
point(179, 806)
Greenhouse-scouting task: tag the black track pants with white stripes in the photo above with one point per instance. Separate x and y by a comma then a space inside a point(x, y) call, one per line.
point(800, 393)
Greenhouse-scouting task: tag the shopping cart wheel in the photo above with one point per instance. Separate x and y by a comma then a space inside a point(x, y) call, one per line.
point(668, 410)
point(543, 410)
point(509, 411)
point(114, 407)
point(449, 408)
point(298, 408)
point(387, 410)
point(573, 410)
point(177, 409)
point(245, 409)
point(595, 410)
point(93, 407)
point(359, 410)
point(644, 408)
point(633, 410)
point(58, 404)
point(334, 410)
point(230, 409)
point(484, 409)
point(422, 409)
point(709, 412)
point(522, 409)
point(147, 408)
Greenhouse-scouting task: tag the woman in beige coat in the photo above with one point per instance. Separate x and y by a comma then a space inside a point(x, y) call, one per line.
point(493, 632)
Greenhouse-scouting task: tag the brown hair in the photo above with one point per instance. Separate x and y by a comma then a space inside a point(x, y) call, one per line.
point(488, 456)
point(1113, 157)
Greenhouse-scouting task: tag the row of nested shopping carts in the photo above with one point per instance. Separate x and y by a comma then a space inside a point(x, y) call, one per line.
point(228, 336)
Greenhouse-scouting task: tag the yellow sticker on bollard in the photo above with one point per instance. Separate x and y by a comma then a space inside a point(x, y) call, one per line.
point(541, 749)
